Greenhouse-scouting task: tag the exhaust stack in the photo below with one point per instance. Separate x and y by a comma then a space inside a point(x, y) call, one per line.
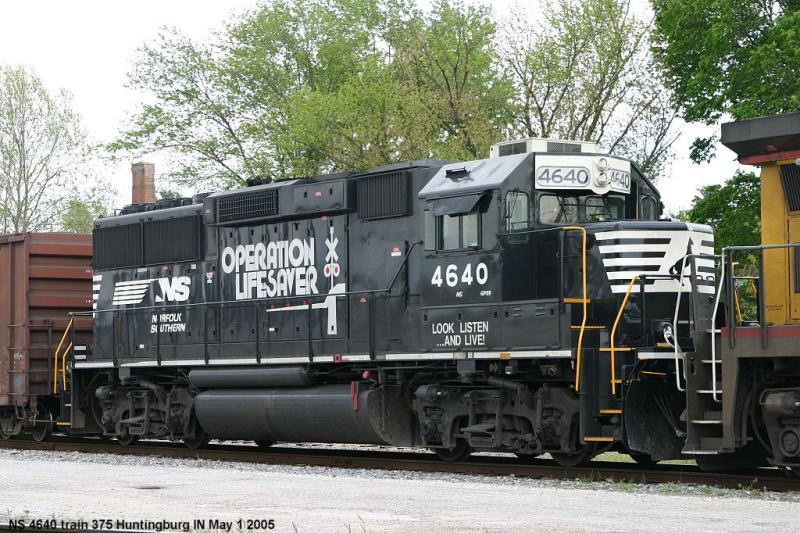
point(144, 183)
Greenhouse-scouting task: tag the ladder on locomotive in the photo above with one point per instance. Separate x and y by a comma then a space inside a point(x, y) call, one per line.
point(61, 377)
point(703, 390)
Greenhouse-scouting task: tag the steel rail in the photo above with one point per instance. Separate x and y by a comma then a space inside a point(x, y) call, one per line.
point(760, 479)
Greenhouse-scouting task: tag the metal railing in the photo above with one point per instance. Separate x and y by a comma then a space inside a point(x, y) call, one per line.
point(584, 298)
point(258, 306)
point(62, 357)
point(760, 293)
point(727, 279)
point(613, 350)
point(679, 354)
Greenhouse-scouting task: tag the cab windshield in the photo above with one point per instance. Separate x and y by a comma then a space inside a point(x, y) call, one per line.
point(563, 209)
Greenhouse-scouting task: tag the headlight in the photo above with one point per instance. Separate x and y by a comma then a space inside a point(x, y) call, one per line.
point(602, 165)
point(601, 180)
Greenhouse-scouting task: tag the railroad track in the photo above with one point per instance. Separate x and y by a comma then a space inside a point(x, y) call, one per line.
point(761, 479)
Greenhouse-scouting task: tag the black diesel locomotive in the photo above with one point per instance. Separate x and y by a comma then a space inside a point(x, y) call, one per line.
point(520, 303)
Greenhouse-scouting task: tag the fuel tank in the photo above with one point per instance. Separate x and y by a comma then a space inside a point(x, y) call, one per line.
point(250, 377)
point(325, 413)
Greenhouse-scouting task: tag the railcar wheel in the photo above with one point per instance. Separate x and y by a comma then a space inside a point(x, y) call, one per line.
point(264, 443)
point(571, 460)
point(4, 435)
point(128, 440)
point(198, 442)
point(461, 451)
point(43, 428)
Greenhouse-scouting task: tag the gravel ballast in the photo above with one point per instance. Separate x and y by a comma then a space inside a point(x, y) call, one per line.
point(80, 486)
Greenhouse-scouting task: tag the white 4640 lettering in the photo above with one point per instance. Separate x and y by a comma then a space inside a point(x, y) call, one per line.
point(451, 276)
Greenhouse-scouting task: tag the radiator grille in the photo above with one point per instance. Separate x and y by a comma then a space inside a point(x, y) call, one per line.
point(383, 196)
point(242, 206)
point(172, 240)
point(117, 246)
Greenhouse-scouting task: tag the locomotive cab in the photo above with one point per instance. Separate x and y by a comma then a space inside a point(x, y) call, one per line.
point(559, 254)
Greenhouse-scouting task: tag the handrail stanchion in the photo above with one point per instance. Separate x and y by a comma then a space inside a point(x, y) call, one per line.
point(678, 351)
point(55, 354)
point(310, 338)
point(584, 299)
point(625, 298)
point(725, 258)
point(258, 334)
point(762, 283)
point(642, 283)
point(730, 291)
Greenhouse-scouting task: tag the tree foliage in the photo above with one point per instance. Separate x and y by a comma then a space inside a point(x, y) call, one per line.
point(300, 87)
point(42, 148)
point(577, 82)
point(81, 211)
point(730, 56)
point(732, 209)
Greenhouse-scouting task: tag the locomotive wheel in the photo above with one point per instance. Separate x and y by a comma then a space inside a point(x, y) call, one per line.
point(454, 455)
point(198, 442)
point(264, 443)
point(128, 440)
point(3, 434)
point(571, 460)
point(43, 428)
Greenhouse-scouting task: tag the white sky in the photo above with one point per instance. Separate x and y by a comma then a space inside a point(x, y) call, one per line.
point(88, 47)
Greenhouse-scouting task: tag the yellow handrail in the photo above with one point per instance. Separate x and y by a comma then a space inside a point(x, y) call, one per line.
point(585, 305)
point(64, 366)
point(736, 293)
point(634, 279)
point(55, 355)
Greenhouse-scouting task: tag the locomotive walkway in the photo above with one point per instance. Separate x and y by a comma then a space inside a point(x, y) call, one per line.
point(759, 479)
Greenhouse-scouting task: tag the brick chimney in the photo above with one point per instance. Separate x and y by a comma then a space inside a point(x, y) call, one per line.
point(144, 183)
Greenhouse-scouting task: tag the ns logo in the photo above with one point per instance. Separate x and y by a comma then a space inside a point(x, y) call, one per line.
point(174, 289)
point(133, 292)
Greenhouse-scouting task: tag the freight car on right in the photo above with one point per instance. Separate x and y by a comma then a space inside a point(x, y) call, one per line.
point(743, 380)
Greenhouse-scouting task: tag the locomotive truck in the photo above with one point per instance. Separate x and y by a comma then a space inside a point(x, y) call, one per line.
point(532, 302)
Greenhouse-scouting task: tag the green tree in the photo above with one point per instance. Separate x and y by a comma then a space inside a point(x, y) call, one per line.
point(44, 156)
point(300, 87)
point(730, 56)
point(576, 82)
point(448, 60)
point(732, 209)
point(81, 212)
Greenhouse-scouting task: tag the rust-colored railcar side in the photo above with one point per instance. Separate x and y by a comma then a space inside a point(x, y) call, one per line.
point(43, 277)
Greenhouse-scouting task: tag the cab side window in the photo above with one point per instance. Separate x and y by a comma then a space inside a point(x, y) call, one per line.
point(457, 232)
point(452, 232)
point(648, 210)
point(517, 211)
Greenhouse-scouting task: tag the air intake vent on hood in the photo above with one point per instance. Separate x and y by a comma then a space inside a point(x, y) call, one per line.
point(383, 196)
point(246, 205)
